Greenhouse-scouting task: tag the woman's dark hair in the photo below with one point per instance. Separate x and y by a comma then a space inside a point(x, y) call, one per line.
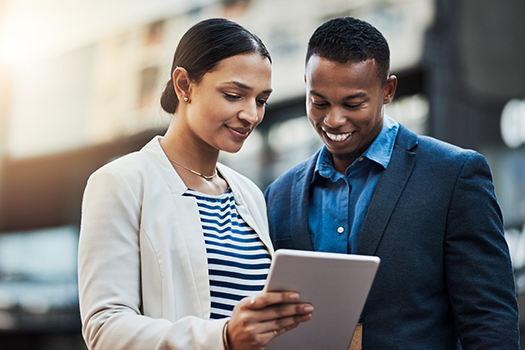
point(347, 39)
point(203, 46)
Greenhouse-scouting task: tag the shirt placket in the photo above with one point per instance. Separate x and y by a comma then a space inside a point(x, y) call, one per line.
point(342, 225)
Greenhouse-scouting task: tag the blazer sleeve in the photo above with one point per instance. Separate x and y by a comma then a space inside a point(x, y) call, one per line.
point(110, 278)
point(478, 270)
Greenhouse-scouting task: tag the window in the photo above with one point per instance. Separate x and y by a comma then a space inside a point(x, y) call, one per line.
point(148, 86)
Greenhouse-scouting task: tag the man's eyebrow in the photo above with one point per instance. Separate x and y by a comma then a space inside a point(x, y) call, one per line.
point(312, 92)
point(358, 95)
point(246, 87)
point(349, 97)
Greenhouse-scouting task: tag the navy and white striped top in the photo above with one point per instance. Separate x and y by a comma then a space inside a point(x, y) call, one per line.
point(238, 261)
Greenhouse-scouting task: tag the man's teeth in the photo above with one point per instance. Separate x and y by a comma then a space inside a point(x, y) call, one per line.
point(338, 137)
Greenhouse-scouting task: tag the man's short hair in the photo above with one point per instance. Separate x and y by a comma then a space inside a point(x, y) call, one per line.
point(348, 40)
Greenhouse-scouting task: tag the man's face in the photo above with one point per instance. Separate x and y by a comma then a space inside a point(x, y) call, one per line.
point(345, 105)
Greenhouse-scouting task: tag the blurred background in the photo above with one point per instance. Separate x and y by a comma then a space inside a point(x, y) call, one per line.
point(80, 82)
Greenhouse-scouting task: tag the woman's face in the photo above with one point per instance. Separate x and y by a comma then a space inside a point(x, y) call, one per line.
point(229, 101)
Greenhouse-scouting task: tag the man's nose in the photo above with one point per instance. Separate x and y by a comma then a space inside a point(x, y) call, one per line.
point(335, 118)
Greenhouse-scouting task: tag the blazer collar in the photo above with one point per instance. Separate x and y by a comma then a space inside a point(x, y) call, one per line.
point(178, 187)
point(388, 191)
point(155, 151)
point(256, 221)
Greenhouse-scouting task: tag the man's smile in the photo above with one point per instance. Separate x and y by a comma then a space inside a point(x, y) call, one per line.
point(338, 137)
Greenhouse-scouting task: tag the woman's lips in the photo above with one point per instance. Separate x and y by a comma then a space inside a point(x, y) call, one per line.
point(240, 132)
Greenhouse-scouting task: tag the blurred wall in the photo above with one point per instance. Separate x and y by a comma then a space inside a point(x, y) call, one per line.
point(63, 106)
point(109, 88)
point(475, 53)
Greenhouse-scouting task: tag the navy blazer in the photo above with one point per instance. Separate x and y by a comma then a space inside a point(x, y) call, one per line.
point(445, 280)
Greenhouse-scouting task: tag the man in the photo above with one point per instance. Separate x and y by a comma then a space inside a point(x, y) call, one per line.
point(425, 207)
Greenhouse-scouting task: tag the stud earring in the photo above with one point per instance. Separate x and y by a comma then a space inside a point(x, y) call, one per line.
point(186, 99)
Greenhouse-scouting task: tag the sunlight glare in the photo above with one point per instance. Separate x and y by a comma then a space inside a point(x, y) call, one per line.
point(23, 37)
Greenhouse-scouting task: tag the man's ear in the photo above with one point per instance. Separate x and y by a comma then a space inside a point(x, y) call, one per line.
point(390, 89)
point(182, 84)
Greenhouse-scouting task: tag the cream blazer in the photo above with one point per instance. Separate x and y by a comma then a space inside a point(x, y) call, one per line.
point(143, 272)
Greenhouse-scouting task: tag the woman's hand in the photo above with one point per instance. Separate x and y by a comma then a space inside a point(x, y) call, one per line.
point(258, 319)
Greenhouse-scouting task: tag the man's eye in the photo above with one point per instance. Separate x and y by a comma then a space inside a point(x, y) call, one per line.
point(319, 104)
point(354, 105)
point(261, 102)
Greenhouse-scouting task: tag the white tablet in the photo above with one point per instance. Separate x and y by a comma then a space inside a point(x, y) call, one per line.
point(337, 285)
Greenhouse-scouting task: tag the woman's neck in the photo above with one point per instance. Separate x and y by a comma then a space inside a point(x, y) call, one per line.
point(195, 163)
point(181, 146)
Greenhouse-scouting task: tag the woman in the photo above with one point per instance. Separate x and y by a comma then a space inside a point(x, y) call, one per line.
point(171, 239)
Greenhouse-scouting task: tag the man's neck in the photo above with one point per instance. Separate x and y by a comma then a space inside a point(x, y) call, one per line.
point(343, 161)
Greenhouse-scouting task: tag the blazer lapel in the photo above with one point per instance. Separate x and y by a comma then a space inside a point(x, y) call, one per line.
point(190, 246)
point(388, 191)
point(257, 222)
point(299, 206)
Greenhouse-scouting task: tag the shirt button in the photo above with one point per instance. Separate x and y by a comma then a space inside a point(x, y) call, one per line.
point(361, 159)
point(340, 229)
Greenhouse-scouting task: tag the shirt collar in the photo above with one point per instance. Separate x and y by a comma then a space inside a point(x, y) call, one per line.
point(325, 166)
point(380, 151)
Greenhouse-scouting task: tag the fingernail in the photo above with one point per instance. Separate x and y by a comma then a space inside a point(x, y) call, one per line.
point(308, 308)
point(293, 296)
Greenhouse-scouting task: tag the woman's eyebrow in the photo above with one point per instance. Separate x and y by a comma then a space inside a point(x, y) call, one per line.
point(246, 87)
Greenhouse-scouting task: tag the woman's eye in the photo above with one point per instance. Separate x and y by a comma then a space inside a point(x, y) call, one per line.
point(232, 97)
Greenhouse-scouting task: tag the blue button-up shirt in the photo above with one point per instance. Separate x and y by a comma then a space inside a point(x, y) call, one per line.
point(338, 203)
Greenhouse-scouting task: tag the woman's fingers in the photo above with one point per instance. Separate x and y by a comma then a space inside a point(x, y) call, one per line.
point(266, 337)
point(262, 300)
point(287, 328)
point(272, 329)
point(284, 311)
point(283, 323)
point(258, 319)
point(277, 306)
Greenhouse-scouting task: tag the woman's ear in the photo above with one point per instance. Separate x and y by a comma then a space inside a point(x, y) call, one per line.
point(182, 84)
point(390, 89)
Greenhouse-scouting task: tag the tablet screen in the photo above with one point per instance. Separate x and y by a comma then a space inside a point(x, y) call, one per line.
point(336, 284)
